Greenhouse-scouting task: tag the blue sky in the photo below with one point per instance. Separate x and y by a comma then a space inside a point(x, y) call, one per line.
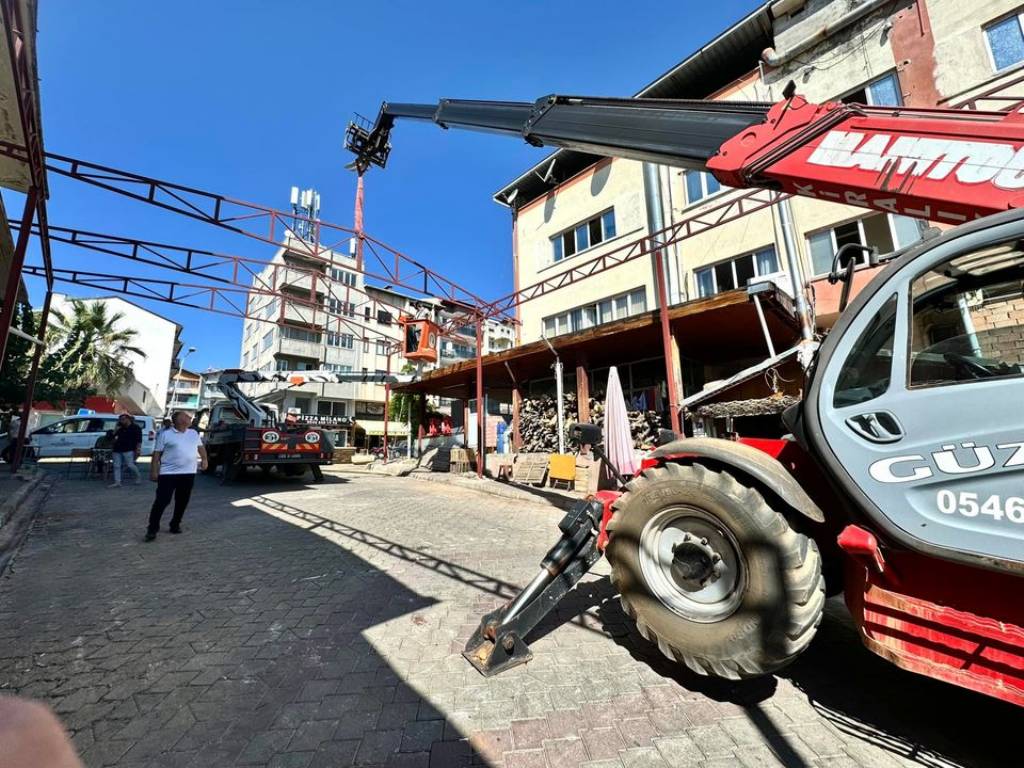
point(250, 98)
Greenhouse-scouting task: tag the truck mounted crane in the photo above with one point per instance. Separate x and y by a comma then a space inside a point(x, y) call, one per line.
point(241, 432)
point(900, 484)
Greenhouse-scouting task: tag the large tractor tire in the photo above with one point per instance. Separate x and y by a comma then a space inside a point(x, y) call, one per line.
point(712, 574)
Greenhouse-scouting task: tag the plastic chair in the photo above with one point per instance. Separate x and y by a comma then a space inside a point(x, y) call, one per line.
point(562, 469)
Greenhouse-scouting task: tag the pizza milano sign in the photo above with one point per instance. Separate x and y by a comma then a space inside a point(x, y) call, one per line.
point(325, 421)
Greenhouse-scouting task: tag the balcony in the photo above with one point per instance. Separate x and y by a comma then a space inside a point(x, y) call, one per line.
point(307, 349)
point(297, 280)
point(303, 315)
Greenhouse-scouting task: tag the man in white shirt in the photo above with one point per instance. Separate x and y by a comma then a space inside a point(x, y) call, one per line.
point(177, 452)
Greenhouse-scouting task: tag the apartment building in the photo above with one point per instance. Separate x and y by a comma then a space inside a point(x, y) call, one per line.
point(320, 314)
point(183, 391)
point(572, 207)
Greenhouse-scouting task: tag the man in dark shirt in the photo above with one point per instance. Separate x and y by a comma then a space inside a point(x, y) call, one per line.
point(127, 447)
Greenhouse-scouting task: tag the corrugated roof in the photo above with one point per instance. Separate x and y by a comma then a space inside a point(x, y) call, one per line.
point(730, 55)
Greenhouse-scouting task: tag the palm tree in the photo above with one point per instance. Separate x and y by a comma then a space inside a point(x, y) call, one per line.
point(88, 349)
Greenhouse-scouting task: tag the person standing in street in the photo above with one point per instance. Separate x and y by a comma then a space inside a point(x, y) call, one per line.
point(174, 471)
point(126, 449)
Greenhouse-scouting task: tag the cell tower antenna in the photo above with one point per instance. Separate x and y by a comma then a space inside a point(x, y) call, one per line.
point(306, 210)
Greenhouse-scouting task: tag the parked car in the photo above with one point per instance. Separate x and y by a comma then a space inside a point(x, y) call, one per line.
point(59, 438)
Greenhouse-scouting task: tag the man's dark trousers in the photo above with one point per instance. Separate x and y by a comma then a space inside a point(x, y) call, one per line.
point(178, 486)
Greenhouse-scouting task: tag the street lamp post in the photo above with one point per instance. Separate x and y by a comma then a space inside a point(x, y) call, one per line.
point(177, 376)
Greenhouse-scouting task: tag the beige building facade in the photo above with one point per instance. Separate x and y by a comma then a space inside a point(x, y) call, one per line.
point(572, 208)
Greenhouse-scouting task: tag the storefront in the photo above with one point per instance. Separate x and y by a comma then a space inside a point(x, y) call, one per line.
point(710, 339)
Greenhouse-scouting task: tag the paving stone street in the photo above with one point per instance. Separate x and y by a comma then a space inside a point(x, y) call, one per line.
point(322, 625)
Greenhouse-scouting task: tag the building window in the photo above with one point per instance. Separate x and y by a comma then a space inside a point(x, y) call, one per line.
point(337, 368)
point(336, 408)
point(605, 311)
point(343, 340)
point(299, 334)
point(884, 231)
point(881, 92)
point(343, 276)
point(737, 272)
point(699, 185)
point(268, 311)
point(268, 340)
point(384, 317)
point(1005, 42)
point(341, 307)
point(382, 347)
point(584, 235)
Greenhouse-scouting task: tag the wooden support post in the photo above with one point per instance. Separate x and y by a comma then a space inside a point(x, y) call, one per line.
point(517, 404)
point(582, 391)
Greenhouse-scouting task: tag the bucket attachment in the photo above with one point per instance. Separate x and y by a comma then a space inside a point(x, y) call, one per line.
point(498, 643)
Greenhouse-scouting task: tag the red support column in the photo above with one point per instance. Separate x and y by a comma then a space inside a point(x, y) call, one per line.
point(358, 223)
point(666, 344)
point(423, 418)
point(30, 388)
point(17, 262)
point(387, 406)
point(481, 416)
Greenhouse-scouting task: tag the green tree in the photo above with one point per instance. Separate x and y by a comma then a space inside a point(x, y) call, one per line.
point(88, 353)
point(404, 407)
point(17, 358)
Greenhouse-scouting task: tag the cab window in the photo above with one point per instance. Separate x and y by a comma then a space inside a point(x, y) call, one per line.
point(868, 368)
point(967, 321)
point(70, 427)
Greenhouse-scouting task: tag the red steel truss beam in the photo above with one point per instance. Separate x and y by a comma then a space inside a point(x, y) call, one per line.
point(381, 261)
point(222, 267)
point(220, 299)
point(702, 221)
point(996, 94)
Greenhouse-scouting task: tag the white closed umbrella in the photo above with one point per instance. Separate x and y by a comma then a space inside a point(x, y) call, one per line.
point(618, 440)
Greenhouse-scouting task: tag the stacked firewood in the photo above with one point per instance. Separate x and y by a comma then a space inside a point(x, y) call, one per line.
point(538, 421)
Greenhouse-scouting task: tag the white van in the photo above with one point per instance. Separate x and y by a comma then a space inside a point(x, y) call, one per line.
point(60, 437)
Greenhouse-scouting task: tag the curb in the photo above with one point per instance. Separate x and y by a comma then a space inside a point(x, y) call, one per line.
point(494, 488)
point(17, 513)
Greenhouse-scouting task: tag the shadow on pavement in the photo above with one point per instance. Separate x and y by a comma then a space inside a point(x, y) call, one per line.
point(244, 641)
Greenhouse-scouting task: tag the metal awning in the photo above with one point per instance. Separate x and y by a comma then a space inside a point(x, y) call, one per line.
point(377, 427)
point(716, 329)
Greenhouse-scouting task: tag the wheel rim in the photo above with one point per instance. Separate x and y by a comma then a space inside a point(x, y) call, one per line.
point(691, 563)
